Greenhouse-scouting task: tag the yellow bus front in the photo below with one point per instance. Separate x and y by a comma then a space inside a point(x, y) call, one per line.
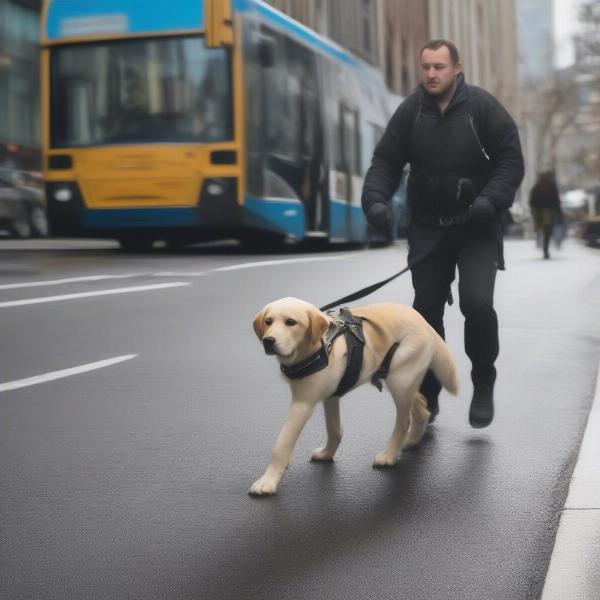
point(143, 119)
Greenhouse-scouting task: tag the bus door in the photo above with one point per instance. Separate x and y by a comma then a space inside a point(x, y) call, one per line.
point(311, 146)
point(348, 152)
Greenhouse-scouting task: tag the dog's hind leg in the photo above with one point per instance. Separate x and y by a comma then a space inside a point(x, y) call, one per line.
point(403, 383)
point(419, 418)
point(334, 430)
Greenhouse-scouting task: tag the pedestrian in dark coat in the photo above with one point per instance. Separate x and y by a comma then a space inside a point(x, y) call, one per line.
point(544, 202)
point(465, 166)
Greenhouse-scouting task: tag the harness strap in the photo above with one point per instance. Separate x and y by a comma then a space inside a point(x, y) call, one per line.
point(343, 322)
point(355, 341)
point(384, 369)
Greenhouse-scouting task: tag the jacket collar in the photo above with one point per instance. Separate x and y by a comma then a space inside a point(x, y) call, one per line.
point(461, 93)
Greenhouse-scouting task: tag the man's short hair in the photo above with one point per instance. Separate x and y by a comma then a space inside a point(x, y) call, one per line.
point(437, 44)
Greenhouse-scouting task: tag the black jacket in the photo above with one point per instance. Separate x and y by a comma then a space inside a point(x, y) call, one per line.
point(475, 139)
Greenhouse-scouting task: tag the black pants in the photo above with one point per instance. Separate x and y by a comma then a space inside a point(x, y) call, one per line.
point(476, 251)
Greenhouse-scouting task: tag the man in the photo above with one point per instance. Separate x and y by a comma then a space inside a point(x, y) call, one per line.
point(465, 165)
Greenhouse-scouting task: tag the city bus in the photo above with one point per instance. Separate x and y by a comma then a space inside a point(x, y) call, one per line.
point(199, 120)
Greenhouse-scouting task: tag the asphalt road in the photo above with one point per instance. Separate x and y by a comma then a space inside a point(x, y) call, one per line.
point(130, 480)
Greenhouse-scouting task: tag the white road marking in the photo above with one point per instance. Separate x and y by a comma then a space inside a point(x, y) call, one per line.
point(179, 274)
point(13, 286)
point(141, 288)
point(269, 263)
point(19, 383)
point(91, 278)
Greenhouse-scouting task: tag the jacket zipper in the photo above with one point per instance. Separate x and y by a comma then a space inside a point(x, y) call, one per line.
point(477, 137)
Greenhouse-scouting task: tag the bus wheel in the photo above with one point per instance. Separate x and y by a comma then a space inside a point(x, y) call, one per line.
point(263, 241)
point(136, 244)
point(174, 244)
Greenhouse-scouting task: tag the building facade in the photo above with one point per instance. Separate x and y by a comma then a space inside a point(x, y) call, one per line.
point(354, 24)
point(19, 84)
point(404, 28)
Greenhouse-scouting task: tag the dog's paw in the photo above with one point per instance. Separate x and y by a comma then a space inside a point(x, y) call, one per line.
point(321, 455)
point(263, 487)
point(385, 459)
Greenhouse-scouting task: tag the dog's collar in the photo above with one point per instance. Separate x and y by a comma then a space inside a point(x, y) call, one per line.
point(315, 362)
point(320, 359)
point(341, 321)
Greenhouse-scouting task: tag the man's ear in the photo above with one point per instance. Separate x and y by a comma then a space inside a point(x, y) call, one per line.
point(259, 324)
point(319, 324)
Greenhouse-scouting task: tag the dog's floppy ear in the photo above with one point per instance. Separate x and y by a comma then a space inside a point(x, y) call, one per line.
point(259, 323)
point(319, 324)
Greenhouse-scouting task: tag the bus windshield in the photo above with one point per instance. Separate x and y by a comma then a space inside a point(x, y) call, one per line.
point(140, 91)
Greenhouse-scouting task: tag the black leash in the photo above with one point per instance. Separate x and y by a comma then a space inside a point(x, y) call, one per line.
point(375, 286)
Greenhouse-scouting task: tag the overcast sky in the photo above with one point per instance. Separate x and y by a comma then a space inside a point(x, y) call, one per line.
point(565, 25)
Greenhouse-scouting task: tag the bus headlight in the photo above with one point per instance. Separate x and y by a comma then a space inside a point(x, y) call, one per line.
point(215, 189)
point(62, 194)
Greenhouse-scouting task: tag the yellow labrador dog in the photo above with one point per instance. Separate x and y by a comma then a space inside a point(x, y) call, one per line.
point(293, 330)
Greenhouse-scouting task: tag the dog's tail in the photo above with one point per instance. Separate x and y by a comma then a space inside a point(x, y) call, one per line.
point(443, 365)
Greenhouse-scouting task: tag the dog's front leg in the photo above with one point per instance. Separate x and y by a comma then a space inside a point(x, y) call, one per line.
point(334, 430)
point(299, 413)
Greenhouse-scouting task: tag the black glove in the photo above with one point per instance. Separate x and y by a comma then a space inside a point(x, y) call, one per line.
point(378, 214)
point(482, 211)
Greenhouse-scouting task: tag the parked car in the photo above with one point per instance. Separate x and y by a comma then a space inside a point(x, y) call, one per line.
point(22, 205)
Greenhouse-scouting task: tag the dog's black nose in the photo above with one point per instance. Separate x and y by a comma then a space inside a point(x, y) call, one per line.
point(269, 345)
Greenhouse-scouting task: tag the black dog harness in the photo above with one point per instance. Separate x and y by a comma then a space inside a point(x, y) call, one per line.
point(342, 321)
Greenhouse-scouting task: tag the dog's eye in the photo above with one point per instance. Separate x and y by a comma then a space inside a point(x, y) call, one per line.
point(290, 322)
point(268, 321)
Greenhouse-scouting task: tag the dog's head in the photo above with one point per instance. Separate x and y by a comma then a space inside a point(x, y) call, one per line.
point(289, 328)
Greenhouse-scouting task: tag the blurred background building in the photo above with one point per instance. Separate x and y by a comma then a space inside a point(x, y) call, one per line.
point(536, 39)
point(19, 87)
point(485, 32)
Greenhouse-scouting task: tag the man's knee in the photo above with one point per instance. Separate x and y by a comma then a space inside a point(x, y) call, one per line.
point(476, 306)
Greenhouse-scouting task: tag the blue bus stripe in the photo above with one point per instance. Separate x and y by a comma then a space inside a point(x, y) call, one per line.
point(291, 26)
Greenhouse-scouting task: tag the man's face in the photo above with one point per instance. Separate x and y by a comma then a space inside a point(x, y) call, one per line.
point(438, 74)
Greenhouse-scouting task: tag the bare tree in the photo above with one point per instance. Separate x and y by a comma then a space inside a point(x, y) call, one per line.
point(588, 41)
point(551, 105)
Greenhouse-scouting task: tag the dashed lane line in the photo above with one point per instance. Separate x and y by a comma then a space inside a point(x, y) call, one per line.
point(20, 383)
point(269, 263)
point(126, 290)
point(90, 278)
point(104, 277)
point(28, 284)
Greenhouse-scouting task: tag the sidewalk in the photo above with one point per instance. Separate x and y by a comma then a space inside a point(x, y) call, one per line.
point(574, 570)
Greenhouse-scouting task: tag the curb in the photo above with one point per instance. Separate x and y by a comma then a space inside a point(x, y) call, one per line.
point(574, 570)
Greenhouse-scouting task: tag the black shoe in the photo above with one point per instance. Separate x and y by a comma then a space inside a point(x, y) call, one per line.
point(433, 412)
point(481, 413)
point(433, 407)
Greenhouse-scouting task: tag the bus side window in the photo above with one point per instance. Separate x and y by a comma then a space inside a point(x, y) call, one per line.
point(358, 163)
